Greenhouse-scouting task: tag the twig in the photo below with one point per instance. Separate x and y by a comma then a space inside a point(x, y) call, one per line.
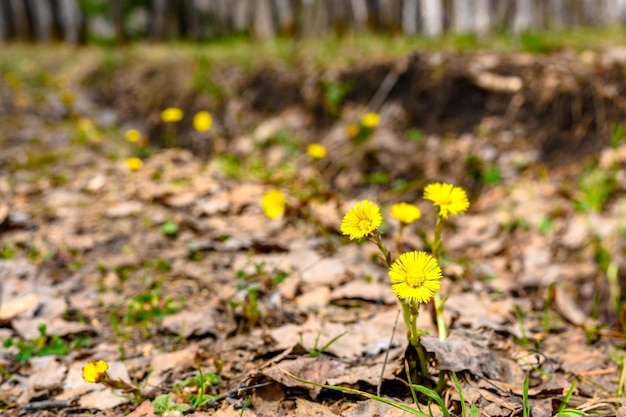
point(388, 83)
point(382, 371)
point(46, 405)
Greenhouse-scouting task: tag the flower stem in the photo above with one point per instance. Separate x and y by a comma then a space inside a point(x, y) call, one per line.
point(410, 313)
point(386, 255)
point(441, 323)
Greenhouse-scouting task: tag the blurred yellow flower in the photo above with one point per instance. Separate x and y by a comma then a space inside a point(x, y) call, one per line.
point(172, 115)
point(133, 135)
point(450, 199)
point(361, 220)
point(134, 164)
point(202, 121)
point(405, 213)
point(94, 371)
point(273, 203)
point(352, 130)
point(370, 120)
point(315, 150)
point(415, 276)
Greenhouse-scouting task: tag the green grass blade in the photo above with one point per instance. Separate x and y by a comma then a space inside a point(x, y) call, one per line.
point(433, 396)
point(526, 404)
point(458, 388)
point(567, 397)
point(408, 377)
point(392, 403)
point(474, 411)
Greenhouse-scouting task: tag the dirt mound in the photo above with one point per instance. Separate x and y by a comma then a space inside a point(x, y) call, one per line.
point(563, 104)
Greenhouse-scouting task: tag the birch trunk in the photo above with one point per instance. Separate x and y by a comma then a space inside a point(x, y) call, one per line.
point(263, 25)
point(70, 18)
point(432, 17)
point(410, 15)
point(524, 15)
point(463, 16)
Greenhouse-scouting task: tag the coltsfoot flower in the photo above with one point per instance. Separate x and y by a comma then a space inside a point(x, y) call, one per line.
point(370, 120)
point(361, 220)
point(273, 203)
point(450, 199)
point(94, 371)
point(405, 213)
point(415, 276)
point(316, 151)
point(172, 115)
point(134, 164)
point(352, 130)
point(202, 121)
point(133, 135)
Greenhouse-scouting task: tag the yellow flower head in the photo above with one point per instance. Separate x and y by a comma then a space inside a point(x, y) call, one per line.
point(370, 120)
point(352, 130)
point(172, 115)
point(94, 371)
point(134, 164)
point(316, 151)
point(202, 121)
point(273, 203)
point(361, 220)
point(450, 199)
point(415, 276)
point(133, 135)
point(405, 213)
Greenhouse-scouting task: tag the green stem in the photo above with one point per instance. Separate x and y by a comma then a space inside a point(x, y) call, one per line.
point(441, 323)
point(410, 313)
point(383, 249)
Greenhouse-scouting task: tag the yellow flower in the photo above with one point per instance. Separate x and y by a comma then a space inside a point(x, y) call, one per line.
point(172, 115)
point(370, 120)
point(273, 204)
point(133, 135)
point(450, 199)
point(94, 371)
point(405, 213)
point(352, 130)
point(315, 150)
point(202, 121)
point(134, 164)
point(361, 220)
point(415, 276)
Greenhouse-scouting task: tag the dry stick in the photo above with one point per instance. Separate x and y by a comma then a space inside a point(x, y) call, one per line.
point(385, 87)
point(382, 371)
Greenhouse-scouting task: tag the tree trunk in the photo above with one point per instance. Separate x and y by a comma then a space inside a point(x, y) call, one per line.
point(524, 15)
point(159, 10)
point(359, 13)
point(20, 21)
point(432, 17)
point(482, 17)
point(463, 16)
point(410, 15)
point(118, 20)
point(263, 24)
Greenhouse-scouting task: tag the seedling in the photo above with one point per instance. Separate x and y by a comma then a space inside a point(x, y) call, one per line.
point(193, 389)
point(315, 351)
point(169, 228)
point(167, 402)
point(45, 345)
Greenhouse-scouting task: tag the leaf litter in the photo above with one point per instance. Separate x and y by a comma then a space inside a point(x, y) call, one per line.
point(86, 255)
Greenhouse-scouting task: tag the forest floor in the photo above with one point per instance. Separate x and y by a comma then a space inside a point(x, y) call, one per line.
point(173, 274)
